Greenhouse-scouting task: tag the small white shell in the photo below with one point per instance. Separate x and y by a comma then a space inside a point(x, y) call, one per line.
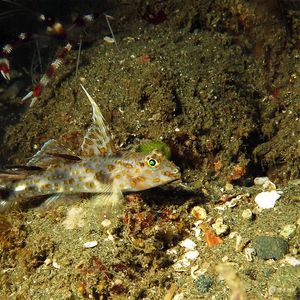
point(267, 200)
point(91, 244)
point(109, 39)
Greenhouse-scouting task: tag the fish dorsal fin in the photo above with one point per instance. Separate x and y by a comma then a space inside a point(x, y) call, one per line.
point(52, 154)
point(97, 141)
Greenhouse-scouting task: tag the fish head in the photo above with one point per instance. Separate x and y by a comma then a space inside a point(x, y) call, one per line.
point(148, 171)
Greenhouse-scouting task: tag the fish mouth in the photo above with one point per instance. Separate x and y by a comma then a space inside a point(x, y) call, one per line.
point(176, 180)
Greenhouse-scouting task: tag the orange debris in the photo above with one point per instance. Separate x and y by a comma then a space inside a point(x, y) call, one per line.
point(210, 237)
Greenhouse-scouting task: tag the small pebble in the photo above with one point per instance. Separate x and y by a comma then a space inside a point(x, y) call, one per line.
point(267, 200)
point(288, 231)
point(247, 214)
point(106, 223)
point(203, 283)
point(47, 261)
point(228, 186)
point(260, 180)
point(265, 182)
point(199, 213)
point(270, 247)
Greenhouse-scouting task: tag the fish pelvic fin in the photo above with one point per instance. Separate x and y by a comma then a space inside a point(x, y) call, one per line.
point(110, 204)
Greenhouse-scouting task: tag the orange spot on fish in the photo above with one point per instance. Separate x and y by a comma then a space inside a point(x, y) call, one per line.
point(156, 180)
point(140, 178)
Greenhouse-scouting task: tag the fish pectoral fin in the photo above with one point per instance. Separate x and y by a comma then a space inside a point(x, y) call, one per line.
point(51, 154)
point(50, 200)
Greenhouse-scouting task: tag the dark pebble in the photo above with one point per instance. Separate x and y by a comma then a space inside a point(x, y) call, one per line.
point(270, 247)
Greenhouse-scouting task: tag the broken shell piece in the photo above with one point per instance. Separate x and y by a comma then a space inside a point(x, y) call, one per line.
point(220, 228)
point(260, 180)
point(267, 200)
point(265, 182)
point(90, 244)
point(249, 253)
point(181, 265)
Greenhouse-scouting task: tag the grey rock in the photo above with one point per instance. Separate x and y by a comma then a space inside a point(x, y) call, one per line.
point(270, 247)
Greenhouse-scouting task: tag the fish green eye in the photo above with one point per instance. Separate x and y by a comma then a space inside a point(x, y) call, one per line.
point(152, 162)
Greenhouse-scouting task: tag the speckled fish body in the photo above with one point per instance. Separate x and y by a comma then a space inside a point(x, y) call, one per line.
point(98, 169)
point(128, 172)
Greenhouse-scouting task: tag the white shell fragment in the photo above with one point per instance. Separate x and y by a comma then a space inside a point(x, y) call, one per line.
point(267, 200)
point(55, 264)
point(184, 263)
point(191, 255)
point(91, 244)
point(188, 244)
point(293, 261)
